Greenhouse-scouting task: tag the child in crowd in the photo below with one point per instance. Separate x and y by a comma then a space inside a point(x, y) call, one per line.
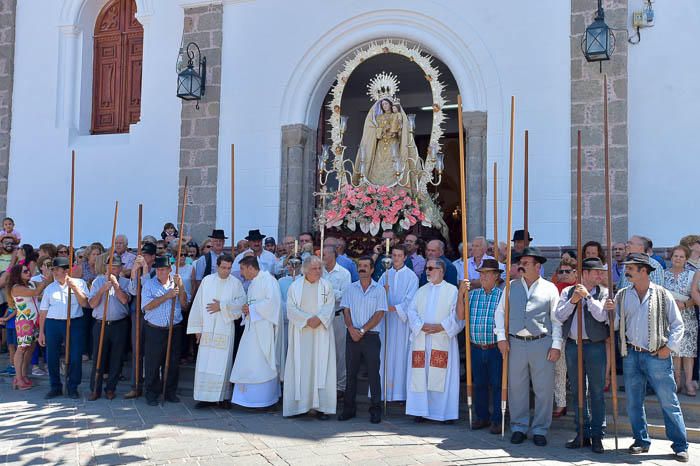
point(9, 321)
point(170, 233)
point(8, 229)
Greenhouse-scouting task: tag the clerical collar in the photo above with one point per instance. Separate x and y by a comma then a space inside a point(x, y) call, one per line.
point(437, 284)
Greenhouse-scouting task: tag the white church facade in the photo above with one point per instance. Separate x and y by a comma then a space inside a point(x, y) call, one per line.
point(270, 67)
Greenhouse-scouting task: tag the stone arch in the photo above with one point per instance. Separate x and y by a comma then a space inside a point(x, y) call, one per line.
point(464, 54)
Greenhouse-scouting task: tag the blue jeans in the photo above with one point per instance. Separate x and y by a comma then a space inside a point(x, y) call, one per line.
point(486, 370)
point(594, 371)
point(55, 332)
point(640, 369)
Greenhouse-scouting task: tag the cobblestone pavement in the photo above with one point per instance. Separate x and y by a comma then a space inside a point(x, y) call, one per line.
point(67, 432)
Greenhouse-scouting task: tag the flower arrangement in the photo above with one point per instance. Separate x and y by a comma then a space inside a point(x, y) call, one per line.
point(373, 208)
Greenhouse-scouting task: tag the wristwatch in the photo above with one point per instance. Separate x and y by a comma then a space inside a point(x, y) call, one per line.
point(361, 330)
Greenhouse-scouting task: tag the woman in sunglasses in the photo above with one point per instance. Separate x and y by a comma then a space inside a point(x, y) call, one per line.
point(21, 296)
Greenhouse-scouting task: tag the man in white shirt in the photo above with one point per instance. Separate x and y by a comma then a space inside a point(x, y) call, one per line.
point(266, 260)
point(53, 312)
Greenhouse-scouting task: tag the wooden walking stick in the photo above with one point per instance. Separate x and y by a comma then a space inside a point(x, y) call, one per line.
point(172, 307)
point(70, 270)
point(108, 275)
point(608, 236)
point(526, 190)
point(496, 249)
point(465, 257)
point(506, 301)
point(579, 305)
point(137, 319)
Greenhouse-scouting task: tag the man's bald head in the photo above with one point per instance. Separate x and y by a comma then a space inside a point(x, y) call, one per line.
point(434, 249)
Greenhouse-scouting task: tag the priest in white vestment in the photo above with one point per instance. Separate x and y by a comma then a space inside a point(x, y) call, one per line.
point(402, 283)
point(255, 373)
point(433, 376)
point(216, 305)
point(309, 375)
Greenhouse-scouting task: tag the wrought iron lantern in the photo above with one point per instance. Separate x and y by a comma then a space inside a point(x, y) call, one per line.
point(598, 42)
point(191, 83)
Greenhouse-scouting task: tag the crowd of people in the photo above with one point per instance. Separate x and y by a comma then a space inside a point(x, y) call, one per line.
point(295, 322)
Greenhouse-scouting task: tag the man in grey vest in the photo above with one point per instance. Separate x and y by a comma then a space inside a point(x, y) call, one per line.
point(592, 297)
point(534, 336)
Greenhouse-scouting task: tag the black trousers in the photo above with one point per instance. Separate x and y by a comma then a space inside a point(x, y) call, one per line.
point(368, 348)
point(155, 349)
point(113, 349)
point(237, 337)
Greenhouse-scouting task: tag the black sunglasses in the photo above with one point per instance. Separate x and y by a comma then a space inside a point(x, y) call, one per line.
point(562, 272)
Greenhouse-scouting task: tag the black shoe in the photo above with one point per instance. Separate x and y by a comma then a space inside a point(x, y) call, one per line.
point(597, 445)
point(322, 416)
point(419, 420)
point(517, 438)
point(576, 442)
point(172, 398)
point(226, 404)
point(448, 422)
point(681, 456)
point(73, 394)
point(495, 428)
point(202, 404)
point(53, 393)
point(346, 416)
point(539, 440)
point(375, 418)
point(637, 448)
point(153, 402)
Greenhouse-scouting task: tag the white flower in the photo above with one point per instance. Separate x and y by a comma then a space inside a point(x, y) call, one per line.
point(374, 228)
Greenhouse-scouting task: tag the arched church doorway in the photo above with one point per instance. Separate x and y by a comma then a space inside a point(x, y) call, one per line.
point(416, 98)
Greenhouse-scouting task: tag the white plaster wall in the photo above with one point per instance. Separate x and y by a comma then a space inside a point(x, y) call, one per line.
point(266, 41)
point(139, 167)
point(664, 97)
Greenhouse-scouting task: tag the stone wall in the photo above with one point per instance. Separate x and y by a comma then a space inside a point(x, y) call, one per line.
point(7, 59)
point(297, 180)
point(199, 134)
point(587, 116)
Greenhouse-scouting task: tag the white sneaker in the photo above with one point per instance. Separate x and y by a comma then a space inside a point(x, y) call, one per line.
point(36, 370)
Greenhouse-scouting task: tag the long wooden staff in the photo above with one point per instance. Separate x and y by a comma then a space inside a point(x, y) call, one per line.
point(526, 189)
point(172, 307)
point(137, 350)
point(579, 305)
point(70, 270)
point(386, 263)
point(496, 249)
point(233, 200)
point(108, 275)
point(608, 235)
point(506, 301)
point(465, 257)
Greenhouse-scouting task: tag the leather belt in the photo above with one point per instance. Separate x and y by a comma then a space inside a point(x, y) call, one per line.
point(585, 340)
point(110, 322)
point(161, 328)
point(338, 312)
point(485, 347)
point(528, 338)
point(638, 349)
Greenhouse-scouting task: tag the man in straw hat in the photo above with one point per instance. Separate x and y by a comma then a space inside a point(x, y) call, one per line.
point(533, 346)
point(651, 327)
point(594, 333)
point(486, 361)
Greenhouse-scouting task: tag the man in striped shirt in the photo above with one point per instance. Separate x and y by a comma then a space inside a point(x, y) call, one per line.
point(486, 359)
point(364, 303)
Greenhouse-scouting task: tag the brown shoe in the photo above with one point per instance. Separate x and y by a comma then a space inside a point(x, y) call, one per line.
point(495, 429)
point(110, 395)
point(93, 396)
point(132, 394)
point(479, 424)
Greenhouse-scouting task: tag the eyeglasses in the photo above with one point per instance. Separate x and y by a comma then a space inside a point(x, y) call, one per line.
point(563, 271)
point(63, 251)
point(430, 269)
point(25, 270)
point(208, 246)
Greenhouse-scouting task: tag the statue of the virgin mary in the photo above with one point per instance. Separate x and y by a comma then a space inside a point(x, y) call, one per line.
point(388, 155)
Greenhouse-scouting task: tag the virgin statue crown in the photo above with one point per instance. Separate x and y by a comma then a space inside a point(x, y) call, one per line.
point(383, 86)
